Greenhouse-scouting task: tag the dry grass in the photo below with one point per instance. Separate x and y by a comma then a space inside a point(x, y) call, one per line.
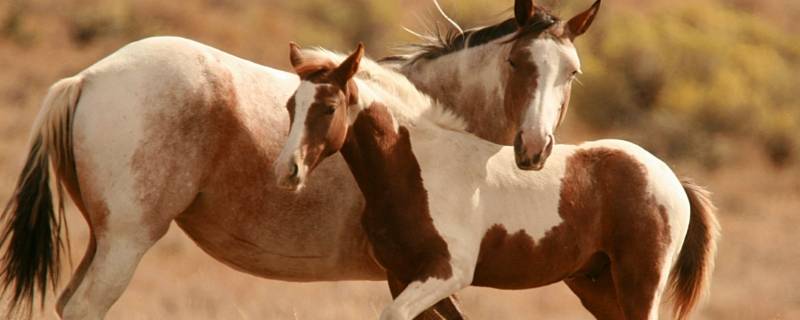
point(755, 276)
point(756, 268)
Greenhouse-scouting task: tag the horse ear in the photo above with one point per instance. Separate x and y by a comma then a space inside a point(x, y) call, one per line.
point(345, 71)
point(579, 23)
point(523, 11)
point(295, 55)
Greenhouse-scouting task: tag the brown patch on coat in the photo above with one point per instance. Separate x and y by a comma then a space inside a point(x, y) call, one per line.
point(397, 218)
point(521, 82)
point(243, 219)
point(478, 108)
point(202, 114)
point(606, 210)
point(634, 229)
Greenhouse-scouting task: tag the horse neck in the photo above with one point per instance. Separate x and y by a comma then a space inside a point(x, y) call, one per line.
point(406, 104)
point(382, 162)
point(361, 149)
point(470, 83)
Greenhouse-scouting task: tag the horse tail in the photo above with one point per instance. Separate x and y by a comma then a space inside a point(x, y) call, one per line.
point(691, 275)
point(31, 236)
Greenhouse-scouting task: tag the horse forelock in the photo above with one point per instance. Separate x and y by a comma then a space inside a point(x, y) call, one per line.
point(314, 69)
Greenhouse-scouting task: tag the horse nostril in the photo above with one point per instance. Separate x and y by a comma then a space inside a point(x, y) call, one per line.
point(535, 159)
point(293, 169)
point(549, 146)
point(518, 147)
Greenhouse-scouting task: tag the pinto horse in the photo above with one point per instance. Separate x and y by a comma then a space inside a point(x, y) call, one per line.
point(506, 64)
point(445, 210)
point(167, 129)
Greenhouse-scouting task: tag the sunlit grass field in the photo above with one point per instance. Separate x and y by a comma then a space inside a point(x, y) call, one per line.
point(734, 129)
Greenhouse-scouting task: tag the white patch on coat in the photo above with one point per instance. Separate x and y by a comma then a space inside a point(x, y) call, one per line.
point(480, 186)
point(555, 62)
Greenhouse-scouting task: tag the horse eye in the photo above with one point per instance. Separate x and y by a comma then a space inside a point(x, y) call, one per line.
point(330, 109)
point(510, 62)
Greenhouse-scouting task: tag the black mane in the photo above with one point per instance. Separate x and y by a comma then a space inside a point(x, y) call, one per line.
point(452, 40)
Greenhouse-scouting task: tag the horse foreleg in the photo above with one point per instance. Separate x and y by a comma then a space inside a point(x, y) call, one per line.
point(421, 295)
point(444, 309)
point(448, 308)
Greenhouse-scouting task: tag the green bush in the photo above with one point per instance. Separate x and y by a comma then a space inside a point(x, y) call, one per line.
point(695, 80)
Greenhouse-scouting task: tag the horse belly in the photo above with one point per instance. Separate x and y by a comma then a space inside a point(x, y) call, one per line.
point(514, 260)
point(529, 240)
point(242, 219)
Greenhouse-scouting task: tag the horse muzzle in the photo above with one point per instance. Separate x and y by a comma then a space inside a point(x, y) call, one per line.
point(290, 175)
point(531, 152)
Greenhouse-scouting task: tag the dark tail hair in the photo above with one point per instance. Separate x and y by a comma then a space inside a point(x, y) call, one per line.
point(31, 236)
point(690, 278)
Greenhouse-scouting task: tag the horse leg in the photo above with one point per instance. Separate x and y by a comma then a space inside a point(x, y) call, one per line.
point(597, 293)
point(448, 308)
point(119, 239)
point(105, 271)
point(640, 282)
point(77, 276)
point(444, 309)
point(421, 295)
point(124, 224)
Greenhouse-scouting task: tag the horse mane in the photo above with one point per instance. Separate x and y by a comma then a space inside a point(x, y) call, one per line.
point(443, 42)
point(407, 104)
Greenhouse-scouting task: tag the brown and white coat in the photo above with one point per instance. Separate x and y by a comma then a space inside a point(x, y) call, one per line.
point(446, 210)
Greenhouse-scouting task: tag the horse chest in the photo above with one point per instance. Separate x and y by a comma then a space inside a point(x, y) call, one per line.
point(506, 221)
point(403, 236)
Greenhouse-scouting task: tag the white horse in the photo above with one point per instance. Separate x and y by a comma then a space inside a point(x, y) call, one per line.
point(445, 210)
point(167, 129)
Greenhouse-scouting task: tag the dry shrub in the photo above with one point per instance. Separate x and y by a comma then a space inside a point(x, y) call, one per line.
point(687, 73)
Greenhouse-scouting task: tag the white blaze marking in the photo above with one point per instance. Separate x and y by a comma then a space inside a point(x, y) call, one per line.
point(303, 99)
point(555, 61)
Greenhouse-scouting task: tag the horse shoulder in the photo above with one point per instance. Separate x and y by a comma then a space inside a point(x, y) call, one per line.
point(397, 218)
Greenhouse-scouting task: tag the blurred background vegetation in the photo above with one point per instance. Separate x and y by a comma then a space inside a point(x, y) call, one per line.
point(701, 78)
point(698, 78)
point(711, 86)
